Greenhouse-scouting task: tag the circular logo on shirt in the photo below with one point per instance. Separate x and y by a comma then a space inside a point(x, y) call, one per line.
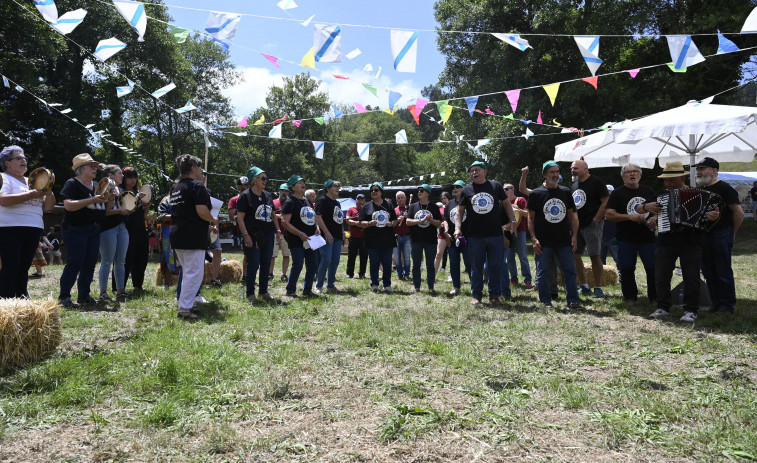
point(630, 208)
point(554, 210)
point(579, 197)
point(381, 218)
point(263, 213)
point(338, 215)
point(453, 214)
point(482, 203)
point(307, 215)
point(420, 215)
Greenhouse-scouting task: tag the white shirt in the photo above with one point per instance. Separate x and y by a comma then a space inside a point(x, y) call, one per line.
point(26, 214)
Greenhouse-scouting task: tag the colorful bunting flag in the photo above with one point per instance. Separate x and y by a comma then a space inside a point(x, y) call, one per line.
point(272, 59)
point(404, 50)
point(287, 4)
point(471, 101)
point(394, 97)
point(538, 119)
point(510, 116)
point(554, 121)
point(371, 89)
point(400, 137)
point(442, 106)
point(673, 68)
point(306, 22)
point(725, 45)
point(275, 132)
point(6, 83)
point(243, 122)
point(318, 147)
point(512, 96)
point(123, 91)
point(683, 51)
point(589, 47)
point(327, 43)
point(162, 91)
point(297, 123)
point(186, 108)
point(340, 77)
point(411, 108)
point(514, 40)
point(179, 33)
point(420, 103)
point(107, 48)
point(134, 14)
point(591, 81)
point(222, 27)
point(363, 151)
point(319, 120)
point(337, 113)
point(633, 72)
point(281, 119)
point(360, 108)
point(64, 111)
point(308, 60)
point(260, 121)
point(48, 9)
point(552, 90)
point(353, 54)
point(490, 112)
point(68, 21)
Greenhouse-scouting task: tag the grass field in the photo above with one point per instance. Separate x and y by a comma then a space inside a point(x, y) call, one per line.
point(359, 376)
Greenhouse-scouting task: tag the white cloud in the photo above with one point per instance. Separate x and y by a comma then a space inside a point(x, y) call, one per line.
point(249, 95)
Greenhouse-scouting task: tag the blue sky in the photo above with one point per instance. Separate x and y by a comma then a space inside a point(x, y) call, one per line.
point(290, 40)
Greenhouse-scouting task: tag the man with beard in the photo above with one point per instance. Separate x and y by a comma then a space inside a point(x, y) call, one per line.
point(718, 242)
point(357, 239)
point(634, 237)
point(277, 203)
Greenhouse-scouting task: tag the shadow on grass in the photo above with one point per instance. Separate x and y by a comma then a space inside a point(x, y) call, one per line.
point(743, 322)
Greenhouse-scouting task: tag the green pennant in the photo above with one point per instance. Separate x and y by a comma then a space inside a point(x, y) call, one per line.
point(179, 33)
point(371, 89)
point(673, 68)
point(319, 120)
point(442, 107)
point(511, 117)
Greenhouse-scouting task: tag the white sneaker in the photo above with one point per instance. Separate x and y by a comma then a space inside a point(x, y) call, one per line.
point(659, 313)
point(387, 289)
point(200, 300)
point(454, 292)
point(689, 317)
point(318, 290)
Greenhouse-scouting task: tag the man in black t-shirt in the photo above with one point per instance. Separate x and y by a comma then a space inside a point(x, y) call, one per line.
point(718, 242)
point(482, 201)
point(634, 236)
point(590, 197)
point(553, 225)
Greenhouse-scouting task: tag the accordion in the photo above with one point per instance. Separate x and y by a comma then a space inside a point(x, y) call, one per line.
point(686, 209)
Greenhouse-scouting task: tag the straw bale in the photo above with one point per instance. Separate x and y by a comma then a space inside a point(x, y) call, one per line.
point(609, 275)
point(231, 272)
point(29, 331)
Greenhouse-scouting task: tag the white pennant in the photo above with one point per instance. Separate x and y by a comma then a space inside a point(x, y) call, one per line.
point(404, 50)
point(134, 14)
point(589, 46)
point(287, 4)
point(683, 51)
point(400, 137)
point(327, 43)
point(318, 147)
point(514, 40)
point(275, 131)
point(222, 27)
point(162, 91)
point(48, 9)
point(123, 91)
point(68, 21)
point(364, 151)
point(108, 47)
point(186, 108)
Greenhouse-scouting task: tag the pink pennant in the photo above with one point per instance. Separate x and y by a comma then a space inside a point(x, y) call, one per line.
point(420, 103)
point(538, 119)
point(296, 123)
point(591, 81)
point(633, 72)
point(413, 111)
point(272, 59)
point(513, 96)
point(490, 112)
point(341, 77)
point(479, 111)
point(360, 108)
point(282, 119)
point(243, 122)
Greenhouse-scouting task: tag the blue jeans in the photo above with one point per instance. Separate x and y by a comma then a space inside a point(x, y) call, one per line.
point(82, 245)
point(627, 253)
point(518, 246)
point(254, 258)
point(301, 256)
point(402, 255)
point(490, 250)
point(613, 249)
point(330, 254)
point(567, 265)
point(454, 264)
point(113, 246)
point(380, 257)
point(717, 270)
point(418, 249)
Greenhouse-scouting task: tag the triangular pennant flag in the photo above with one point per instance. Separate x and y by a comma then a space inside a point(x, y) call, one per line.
point(420, 103)
point(179, 33)
point(552, 90)
point(404, 50)
point(514, 40)
point(673, 68)
point(341, 77)
point(513, 96)
point(134, 14)
point(318, 147)
point(371, 89)
point(275, 132)
point(337, 113)
point(589, 47)
point(750, 25)
point(286, 4)
point(441, 106)
point(528, 134)
point(238, 134)
point(527, 121)
point(186, 108)
point(260, 121)
point(327, 43)
point(306, 22)
point(162, 91)
point(63, 111)
point(363, 151)
point(123, 91)
point(319, 120)
point(48, 9)
point(388, 111)
point(683, 51)
point(471, 101)
point(554, 121)
point(360, 108)
point(538, 119)
point(377, 73)
point(308, 60)
point(482, 142)
point(353, 54)
point(368, 68)
point(281, 119)
point(272, 59)
point(107, 48)
point(297, 123)
point(591, 81)
point(411, 108)
point(394, 97)
point(68, 21)
point(725, 45)
point(633, 72)
point(490, 112)
point(510, 116)
point(243, 122)
point(222, 27)
point(7, 84)
point(447, 114)
point(400, 137)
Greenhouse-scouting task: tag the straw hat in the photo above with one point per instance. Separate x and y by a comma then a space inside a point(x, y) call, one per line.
point(82, 159)
point(673, 169)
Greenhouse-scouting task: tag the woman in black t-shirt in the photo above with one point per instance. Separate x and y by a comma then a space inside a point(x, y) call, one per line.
point(379, 218)
point(328, 214)
point(139, 247)
point(255, 220)
point(298, 218)
point(81, 230)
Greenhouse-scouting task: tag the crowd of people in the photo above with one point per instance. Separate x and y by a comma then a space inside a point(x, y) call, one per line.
point(482, 225)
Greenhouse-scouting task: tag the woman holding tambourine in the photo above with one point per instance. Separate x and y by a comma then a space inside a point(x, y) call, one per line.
point(139, 243)
point(21, 204)
point(114, 239)
point(378, 217)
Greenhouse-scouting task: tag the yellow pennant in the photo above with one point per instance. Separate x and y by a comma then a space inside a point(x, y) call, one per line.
point(389, 111)
point(260, 121)
point(552, 90)
point(309, 59)
point(447, 114)
point(556, 123)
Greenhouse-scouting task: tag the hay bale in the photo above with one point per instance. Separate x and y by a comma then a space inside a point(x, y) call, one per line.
point(29, 330)
point(159, 278)
point(230, 272)
point(609, 275)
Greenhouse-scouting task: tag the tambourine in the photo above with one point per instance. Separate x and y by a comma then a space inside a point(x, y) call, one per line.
point(518, 216)
point(41, 179)
point(213, 236)
point(147, 190)
point(129, 201)
point(105, 188)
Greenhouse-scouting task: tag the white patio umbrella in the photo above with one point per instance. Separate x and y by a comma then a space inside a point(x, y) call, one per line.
point(687, 134)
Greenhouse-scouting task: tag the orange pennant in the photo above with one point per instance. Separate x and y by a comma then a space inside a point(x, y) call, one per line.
point(591, 81)
point(411, 108)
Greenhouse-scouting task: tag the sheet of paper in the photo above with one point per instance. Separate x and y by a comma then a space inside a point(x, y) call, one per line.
point(215, 206)
point(315, 242)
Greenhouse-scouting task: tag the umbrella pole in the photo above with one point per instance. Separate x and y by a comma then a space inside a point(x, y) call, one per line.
point(692, 160)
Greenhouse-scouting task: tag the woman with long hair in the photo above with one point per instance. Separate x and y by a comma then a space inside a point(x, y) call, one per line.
point(114, 239)
point(378, 218)
point(136, 254)
point(298, 218)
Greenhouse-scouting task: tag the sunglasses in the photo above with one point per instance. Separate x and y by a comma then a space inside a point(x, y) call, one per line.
point(265, 179)
point(375, 190)
point(508, 188)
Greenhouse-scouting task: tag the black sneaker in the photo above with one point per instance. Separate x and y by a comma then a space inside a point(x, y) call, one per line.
point(89, 300)
point(575, 306)
point(67, 303)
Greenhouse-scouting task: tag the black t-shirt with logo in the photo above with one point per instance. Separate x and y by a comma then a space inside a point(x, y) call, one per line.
point(551, 221)
point(423, 232)
point(587, 196)
point(258, 211)
point(303, 219)
point(188, 230)
point(378, 236)
point(623, 200)
point(482, 204)
point(730, 196)
point(450, 211)
point(92, 214)
point(331, 212)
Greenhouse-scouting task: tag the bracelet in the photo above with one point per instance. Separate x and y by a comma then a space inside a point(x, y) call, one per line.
point(245, 233)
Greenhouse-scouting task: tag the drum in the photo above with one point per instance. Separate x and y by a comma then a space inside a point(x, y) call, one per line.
point(129, 201)
point(105, 188)
point(147, 190)
point(41, 179)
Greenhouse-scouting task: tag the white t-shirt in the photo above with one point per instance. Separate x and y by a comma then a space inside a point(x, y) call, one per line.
point(26, 214)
